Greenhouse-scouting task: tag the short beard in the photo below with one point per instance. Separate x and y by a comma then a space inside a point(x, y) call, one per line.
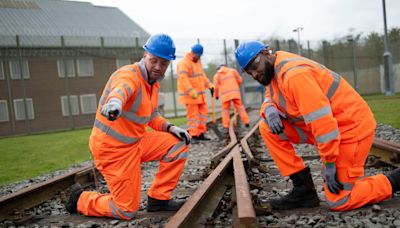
point(268, 75)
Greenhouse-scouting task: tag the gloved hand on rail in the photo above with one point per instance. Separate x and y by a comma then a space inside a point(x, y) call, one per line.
point(112, 109)
point(273, 118)
point(330, 178)
point(180, 133)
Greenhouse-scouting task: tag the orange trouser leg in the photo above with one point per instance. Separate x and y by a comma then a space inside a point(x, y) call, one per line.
point(350, 167)
point(241, 110)
point(122, 172)
point(225, 113)
point(281, 150)
point(202, 118)
point(192, 111)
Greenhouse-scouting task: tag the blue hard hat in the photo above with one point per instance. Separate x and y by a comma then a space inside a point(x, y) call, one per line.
point(161, 45)
point(247, 51)
point(197, 49)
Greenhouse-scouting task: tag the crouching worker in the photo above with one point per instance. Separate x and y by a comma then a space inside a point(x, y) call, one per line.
point(308, 103)
point(119, 142)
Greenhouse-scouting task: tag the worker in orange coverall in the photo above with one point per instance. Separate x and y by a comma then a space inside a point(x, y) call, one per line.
point(120, 143)
point(192, 83)
point(226, 83)
point(306, 102)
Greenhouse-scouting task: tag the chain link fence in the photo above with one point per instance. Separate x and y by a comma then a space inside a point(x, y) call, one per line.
point(54, 83)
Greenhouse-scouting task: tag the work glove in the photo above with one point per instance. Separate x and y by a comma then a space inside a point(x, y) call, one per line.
point(330, 178)
point(273, 118)
point(112, 109)
point(180, 133)
point(212, 91)
point(195, 95)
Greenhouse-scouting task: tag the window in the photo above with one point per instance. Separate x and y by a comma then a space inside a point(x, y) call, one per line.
point(74, 105)
point(15, 70)
point(1, 71)
point(85, 67)
point(70, 68)
point(4, 111)
point(19, 109)
point(122, 62)
point(88, 103)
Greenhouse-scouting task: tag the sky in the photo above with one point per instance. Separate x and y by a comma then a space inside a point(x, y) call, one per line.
point(257, 19)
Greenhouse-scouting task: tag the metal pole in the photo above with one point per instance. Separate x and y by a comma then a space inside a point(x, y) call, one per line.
point(225, 53)
point(242, 88)
point(298, 29)
point(387, 59)
point(353, 48)
point(173, 90)
point(27, 121)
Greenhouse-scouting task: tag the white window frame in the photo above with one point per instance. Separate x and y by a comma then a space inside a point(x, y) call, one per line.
point(25, 69)
point(29, 102)
point(2, 76)
point(83, 109)
point(6, 111)
point(91, 68)
point(60, 67)
point(122, 62)
point(65, 107)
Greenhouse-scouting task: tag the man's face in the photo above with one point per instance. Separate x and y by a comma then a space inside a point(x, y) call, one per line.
point(195, 57)
point(261, 68)
point(155, 66)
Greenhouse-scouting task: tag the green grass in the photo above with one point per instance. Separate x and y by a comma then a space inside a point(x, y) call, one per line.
point(386, 109)
point(24, 157)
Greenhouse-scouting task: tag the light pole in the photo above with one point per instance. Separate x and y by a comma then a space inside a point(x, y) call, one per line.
point(387, 60)
point(298, 29)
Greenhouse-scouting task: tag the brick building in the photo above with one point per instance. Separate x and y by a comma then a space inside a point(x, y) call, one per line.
point(41, 41)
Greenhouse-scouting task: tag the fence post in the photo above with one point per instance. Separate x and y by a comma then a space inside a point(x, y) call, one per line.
point(325, 52)
point(27, 121)
point(225, 53)
point(242, 89)
point(64, 59)
point(173, 90)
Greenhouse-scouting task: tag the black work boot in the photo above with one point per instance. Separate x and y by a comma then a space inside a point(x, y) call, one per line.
point(163, 205)
point(203, 137)
point(72, 202)
point(303, 193)
point(394, 178)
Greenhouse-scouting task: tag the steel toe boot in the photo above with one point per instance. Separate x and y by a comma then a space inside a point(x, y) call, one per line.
point(163, 205)
point(394, 178)
point(72, 202)
point(303, 193)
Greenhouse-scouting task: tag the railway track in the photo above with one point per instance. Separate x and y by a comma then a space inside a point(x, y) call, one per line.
point(232, 191)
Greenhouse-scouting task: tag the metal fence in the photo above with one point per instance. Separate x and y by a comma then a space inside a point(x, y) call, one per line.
point(55, 83)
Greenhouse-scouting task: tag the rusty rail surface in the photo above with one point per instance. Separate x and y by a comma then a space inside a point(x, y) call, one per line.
point(385, 151)
point(13, 205)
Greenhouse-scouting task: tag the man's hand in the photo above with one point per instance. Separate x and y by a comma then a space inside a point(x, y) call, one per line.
point(195, 95)
point(331, 179)
point(180, 133)
point(112, 109)
point(273, 118)
point(212, 91)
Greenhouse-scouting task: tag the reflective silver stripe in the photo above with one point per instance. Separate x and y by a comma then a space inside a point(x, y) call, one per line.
point(154, 114)
point(129, 215)
point(136, 104)
point(293, 68)
point(135, 118)
point(328, 136)
point(201, 93)
point(175, 148)
point(114, 210)
point(295, 119)
point(188, 91)
point(301, 133)
point(127, 89)
point(281, 64)
point(283, 136)
point(196, 75)
point(122, 138)
point(202, 116)
point(317, 114)
point(165, 125)
point(182, 94)
point(121, 93)
point(267, 100)
point(183, 72)
point(347, 186)
point(338, 203)
point(335, 84)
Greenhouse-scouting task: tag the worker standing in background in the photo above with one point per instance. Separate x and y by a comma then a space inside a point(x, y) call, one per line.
point(306, 102)
point(192, 83)
point(119, 141)
point(227, 87)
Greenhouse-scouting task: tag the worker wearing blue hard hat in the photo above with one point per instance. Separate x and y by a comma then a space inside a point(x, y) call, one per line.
point(305, 102)
point(119, 141)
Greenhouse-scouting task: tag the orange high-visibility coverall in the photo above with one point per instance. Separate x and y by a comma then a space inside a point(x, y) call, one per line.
point(227, 81)
point(192, 80)
point(119, 147)
point(323, 109)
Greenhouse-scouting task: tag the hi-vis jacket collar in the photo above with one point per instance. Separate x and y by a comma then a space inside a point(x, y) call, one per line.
point(143, 71)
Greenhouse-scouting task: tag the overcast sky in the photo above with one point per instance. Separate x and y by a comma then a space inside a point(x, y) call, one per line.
point(252, 19)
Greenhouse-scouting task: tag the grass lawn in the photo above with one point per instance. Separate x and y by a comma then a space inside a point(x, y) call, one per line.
point(386, 109)
point(24, 157)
